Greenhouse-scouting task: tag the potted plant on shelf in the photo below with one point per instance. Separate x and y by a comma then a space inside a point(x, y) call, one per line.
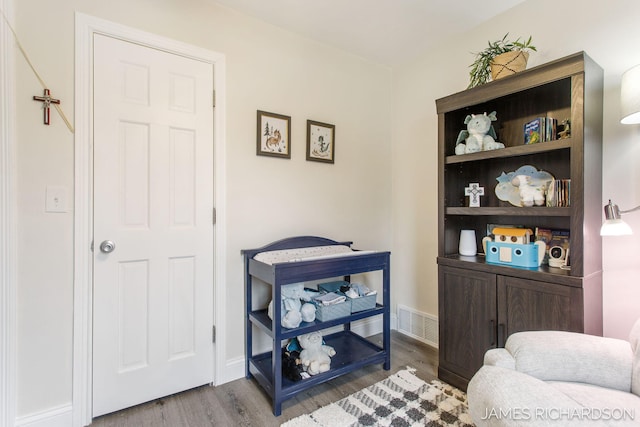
point(501, 58)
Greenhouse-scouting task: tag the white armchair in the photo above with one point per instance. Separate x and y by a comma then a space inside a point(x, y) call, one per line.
point(553, 378)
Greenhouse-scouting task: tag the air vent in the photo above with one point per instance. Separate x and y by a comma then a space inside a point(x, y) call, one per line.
point(419, 325)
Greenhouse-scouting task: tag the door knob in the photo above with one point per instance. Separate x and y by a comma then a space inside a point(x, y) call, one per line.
point(107, 246)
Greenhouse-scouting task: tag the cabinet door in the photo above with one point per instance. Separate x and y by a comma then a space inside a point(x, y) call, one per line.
point(531, 305)
point(467, 318)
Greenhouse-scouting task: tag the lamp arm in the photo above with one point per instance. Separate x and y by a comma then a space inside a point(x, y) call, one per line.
point(631, 210)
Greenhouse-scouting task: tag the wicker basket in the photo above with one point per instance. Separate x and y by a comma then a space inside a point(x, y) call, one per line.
point(508, 63)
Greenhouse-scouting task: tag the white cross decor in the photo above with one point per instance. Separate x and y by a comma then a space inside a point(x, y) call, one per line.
point(474, 191)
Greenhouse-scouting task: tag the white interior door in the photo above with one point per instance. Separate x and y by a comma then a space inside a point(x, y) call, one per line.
point(153, 198)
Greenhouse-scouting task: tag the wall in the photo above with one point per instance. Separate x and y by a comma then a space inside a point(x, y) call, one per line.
point(609, 34)
point(267, 198)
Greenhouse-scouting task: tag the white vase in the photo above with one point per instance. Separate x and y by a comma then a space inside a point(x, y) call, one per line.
point(467, 246)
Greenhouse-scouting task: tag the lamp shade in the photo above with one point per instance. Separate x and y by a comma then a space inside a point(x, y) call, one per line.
point(630, 96)
point(615, 227)
point(613, 224)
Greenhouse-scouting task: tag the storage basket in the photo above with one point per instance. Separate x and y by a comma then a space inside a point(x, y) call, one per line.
point(329, 312)
point(332, 286)
point(357, 304)
point(363, 303)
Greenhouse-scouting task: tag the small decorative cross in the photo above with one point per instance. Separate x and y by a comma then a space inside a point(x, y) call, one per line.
point(46, 100)
point(474, 191)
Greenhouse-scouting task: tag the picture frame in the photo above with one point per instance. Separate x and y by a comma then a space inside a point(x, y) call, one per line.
point(321, 142)
point(273, 135)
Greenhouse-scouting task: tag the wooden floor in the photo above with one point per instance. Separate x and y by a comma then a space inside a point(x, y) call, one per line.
point(244, 403)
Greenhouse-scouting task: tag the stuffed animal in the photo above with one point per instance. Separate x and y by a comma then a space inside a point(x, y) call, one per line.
point(530, 192)
point(566, 129)
point(479, 136)
point(293, 310)
point(292, 368)
point(315, 356)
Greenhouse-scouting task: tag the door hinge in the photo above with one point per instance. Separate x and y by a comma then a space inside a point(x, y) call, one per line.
point(213, 216)
point(213, 334)
point(214, 98)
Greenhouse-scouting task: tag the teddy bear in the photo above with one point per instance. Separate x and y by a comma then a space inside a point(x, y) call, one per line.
point(530, 192)
point(293, 310)
point(315, 356)
point(479, 135)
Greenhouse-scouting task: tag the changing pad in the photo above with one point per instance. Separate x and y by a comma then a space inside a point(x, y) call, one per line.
point(306, 254)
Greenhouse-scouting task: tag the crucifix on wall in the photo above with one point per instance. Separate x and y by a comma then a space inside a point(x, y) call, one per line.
point(46, 100)
point(474, 191)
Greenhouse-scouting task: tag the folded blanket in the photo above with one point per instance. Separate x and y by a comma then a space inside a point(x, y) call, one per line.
point(330, 298)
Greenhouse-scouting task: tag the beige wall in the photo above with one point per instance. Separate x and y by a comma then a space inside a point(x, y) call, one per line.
point(609, 34)
point(267, 198)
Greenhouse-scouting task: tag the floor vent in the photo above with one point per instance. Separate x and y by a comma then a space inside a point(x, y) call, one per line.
point(416, 324)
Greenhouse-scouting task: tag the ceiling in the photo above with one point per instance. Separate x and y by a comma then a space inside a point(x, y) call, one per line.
point(390, 32)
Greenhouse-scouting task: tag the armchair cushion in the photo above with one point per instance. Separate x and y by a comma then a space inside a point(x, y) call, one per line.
point(594, 397)
point(502, 397)
point(574, 357)
point(499, 357)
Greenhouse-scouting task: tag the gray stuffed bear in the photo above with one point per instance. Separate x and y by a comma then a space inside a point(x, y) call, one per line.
point(479, 135)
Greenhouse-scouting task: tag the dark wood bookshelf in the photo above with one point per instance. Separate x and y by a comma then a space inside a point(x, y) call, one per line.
point(481, 304)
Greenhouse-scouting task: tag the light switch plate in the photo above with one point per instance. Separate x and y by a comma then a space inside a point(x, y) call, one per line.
point(56, 198)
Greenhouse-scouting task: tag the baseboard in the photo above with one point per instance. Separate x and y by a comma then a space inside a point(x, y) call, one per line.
point(367, 327)
point(60, 416)
point(234, 369)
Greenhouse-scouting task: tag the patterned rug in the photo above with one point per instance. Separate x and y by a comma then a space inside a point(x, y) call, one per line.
point(401, 400)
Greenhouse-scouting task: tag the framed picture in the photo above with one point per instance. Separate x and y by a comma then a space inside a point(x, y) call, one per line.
point(321, 142)
point(273, 135)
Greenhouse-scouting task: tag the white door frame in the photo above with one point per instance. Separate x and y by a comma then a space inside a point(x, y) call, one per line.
point(86, 26)
point(8, 261)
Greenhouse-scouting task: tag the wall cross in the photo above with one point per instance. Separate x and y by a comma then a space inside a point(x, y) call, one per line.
point(46, 100)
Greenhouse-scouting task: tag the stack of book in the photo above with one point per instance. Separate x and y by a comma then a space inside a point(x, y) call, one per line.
point(541, 129)
point(559, 193)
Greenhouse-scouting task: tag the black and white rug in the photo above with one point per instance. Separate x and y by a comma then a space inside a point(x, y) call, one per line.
point(401, 400)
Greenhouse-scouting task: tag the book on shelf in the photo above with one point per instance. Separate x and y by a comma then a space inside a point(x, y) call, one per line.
point(558, 193)
point(552, 237)
point(541, 129)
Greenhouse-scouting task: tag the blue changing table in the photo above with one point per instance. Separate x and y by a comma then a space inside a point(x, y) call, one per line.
point(352, 350)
